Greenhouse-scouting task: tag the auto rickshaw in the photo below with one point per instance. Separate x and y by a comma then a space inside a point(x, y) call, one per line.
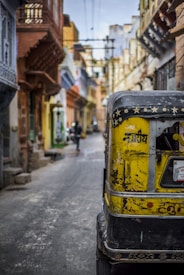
point(142, 215)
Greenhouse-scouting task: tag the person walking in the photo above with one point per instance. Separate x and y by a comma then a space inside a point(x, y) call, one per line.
point(78, 131)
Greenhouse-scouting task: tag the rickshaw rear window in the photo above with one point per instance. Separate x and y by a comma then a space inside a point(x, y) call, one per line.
point(174, 174)
point(165, 141)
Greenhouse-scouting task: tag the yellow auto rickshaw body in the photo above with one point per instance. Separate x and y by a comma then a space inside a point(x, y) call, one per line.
point(131, 165)
point(142, 218)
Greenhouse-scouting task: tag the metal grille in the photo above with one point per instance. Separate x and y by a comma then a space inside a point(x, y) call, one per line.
point(7, 34)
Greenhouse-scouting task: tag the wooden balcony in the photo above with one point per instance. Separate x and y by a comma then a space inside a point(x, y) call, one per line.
point(39, 32)
point(36, 16)
point(155, 24)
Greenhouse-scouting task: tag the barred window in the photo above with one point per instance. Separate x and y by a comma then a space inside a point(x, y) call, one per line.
point(6, 36)
point(171, 68)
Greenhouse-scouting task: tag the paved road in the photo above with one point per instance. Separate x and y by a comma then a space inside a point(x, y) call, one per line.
point(48, 226)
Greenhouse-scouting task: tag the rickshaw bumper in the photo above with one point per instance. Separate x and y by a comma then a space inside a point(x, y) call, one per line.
point(117, 243)
point(144, 256)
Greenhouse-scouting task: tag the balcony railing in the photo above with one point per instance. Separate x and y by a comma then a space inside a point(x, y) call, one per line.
point(37, 13)
point(33, 13)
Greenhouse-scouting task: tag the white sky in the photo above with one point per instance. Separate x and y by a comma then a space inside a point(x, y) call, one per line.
point(93, 17)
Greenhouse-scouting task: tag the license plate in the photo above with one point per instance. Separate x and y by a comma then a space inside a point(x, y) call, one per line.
point(178, 170)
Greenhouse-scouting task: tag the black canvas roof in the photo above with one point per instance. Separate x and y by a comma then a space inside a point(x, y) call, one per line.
point(150, 104)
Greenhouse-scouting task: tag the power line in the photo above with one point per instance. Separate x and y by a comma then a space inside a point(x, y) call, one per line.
point(89, 39)
point(91, 48)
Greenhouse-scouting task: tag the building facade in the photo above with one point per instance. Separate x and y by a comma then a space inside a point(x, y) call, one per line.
point(177, 33)
point(8, 84)
point(40, 52)
point(155, 24)
point(148, 53)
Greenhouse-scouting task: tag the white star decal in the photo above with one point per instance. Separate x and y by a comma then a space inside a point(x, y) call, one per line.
point(154, 110)
point(115, 122)
point(118, 112)
point(136, 110)
point(174, 110)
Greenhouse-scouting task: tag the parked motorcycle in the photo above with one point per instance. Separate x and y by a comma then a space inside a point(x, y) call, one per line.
point(70, 135)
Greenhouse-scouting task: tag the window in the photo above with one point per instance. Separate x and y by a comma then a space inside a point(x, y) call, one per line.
point(56, 12)
point(174, 174)
point(166, 141)
point(171, 139)
point(49, 5)
point(6, 37)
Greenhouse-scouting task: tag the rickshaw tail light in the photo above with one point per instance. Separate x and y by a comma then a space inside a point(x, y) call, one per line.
point(149, 204)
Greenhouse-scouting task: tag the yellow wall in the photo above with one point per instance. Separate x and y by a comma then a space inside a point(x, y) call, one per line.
point(46, 123)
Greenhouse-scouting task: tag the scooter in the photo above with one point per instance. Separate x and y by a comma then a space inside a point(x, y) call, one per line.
point(70, 135)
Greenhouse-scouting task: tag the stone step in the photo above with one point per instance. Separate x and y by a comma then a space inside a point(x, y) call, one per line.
point(9, 174)
point(37, 154)
point(6, 162)
point(40, 162)
point(23, 178)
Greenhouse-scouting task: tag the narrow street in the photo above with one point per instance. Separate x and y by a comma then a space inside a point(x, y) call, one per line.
point(48, 226)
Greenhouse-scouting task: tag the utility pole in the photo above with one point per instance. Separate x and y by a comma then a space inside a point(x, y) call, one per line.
point(110, 63)
point(112, 58)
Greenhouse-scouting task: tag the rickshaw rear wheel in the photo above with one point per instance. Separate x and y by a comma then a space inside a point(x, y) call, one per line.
point(103, 266)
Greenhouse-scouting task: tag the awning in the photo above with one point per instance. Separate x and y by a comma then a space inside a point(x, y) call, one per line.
point(24, 84)
point(57, 104)
point(80, 101)
point(42, 78)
